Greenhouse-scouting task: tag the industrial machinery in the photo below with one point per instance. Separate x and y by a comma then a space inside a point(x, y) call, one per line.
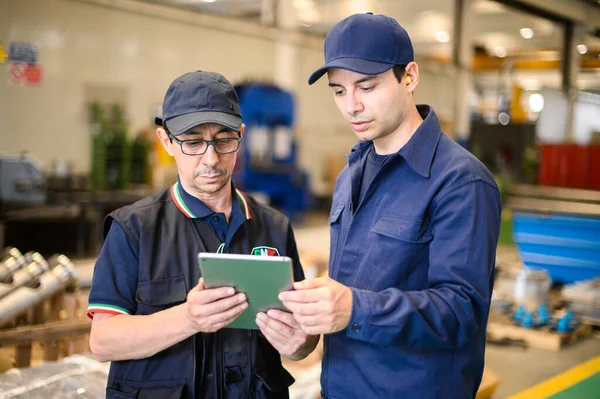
point(268, 163)
point(21, 181)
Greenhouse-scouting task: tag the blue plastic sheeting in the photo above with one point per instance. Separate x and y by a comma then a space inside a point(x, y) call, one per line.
point(565, 245)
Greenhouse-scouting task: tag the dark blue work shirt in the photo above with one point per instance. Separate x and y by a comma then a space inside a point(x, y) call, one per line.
point(374, 162)
point(418, 252)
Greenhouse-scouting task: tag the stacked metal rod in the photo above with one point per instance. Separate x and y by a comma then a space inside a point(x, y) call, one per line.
point(29, 279)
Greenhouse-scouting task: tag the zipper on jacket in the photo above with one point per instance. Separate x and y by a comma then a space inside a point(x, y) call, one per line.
point(251, 374)
point(219, 374)
point(194, 368)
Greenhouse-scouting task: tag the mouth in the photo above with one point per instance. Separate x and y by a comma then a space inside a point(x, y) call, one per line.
point(360, 126)
point(210, 177)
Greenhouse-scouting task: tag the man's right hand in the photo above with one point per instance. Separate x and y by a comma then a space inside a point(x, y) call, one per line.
point(209, 310)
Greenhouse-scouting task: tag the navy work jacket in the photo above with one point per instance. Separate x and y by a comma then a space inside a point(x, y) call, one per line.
point(418, 253)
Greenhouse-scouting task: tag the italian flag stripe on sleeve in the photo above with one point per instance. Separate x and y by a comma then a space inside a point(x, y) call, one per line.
point(104, 308)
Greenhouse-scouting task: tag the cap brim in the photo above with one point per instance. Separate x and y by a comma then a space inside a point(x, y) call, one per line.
point(184, 123)
point(357, 65)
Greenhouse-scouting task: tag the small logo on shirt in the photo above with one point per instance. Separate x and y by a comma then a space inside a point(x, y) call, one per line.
point(264, 251)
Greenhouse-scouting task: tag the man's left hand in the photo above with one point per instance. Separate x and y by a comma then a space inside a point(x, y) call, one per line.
point(284, 333)
point(320, 305)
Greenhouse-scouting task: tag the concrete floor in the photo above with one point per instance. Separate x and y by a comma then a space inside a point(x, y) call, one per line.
point(519, 369)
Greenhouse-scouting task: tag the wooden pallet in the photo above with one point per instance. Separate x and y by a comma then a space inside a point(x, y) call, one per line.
point(57, 325)
point(542, 338)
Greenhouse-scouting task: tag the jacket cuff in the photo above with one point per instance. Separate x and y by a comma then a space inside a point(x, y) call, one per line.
point(360, 320)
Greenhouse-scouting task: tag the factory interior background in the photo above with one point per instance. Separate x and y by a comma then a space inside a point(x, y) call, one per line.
point(517, 83)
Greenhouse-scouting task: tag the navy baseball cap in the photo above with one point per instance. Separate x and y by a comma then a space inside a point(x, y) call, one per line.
point(200, 97)
point(367, 44)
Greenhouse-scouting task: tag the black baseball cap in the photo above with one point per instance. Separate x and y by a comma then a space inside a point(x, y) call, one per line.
point(200, 97)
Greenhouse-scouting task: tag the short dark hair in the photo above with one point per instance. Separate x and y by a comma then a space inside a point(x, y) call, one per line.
point(399, 72)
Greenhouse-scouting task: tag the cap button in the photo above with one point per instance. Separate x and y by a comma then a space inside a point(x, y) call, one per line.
point(369, 12)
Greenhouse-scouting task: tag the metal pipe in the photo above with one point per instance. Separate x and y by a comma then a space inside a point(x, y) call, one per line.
point(27, 276)
point(12, 261)
point(60, 276)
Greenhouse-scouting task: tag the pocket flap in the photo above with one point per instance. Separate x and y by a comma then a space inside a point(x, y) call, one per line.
point(275, 381)
point(174, 392)
point(336, 211)
point(409, 230)
point(162, 292)
point(113, 394)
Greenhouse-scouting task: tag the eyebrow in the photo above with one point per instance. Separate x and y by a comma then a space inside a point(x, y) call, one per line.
point(361, 80)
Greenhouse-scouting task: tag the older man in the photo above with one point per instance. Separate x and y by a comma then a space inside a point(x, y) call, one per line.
point(164, 332)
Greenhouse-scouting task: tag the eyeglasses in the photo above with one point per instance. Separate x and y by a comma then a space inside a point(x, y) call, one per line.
point(196, 147)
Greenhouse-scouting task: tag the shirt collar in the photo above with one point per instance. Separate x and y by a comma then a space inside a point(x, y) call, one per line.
point(418, 152)
point(193, 208)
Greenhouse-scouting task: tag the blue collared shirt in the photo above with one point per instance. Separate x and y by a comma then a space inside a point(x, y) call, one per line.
point(217, 221)
point(115, 283)
point(418, 252)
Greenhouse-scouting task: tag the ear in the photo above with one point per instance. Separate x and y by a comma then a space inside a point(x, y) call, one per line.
point(242, 130)
point(411, 76)
point(165, 140)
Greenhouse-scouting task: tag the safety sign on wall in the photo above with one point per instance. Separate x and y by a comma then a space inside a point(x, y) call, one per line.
point(24, 69)
point(20, 73)
point(23, 52)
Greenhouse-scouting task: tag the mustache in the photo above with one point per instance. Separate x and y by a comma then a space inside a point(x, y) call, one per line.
point(209, 171)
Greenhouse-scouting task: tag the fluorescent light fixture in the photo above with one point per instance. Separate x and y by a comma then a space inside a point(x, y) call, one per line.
point(582, 49)
point(500, 52)
point(536, 102)
point(526, 33)
point(442, 36)
point(209, 1)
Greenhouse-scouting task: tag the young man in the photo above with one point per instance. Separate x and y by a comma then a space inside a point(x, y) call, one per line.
point(152, 317)
point(414, 227)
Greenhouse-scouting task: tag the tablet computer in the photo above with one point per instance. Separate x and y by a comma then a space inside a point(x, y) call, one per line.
point(261, 278)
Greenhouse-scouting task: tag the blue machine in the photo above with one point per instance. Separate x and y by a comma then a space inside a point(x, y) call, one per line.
point(267, 162)
point(567, 246)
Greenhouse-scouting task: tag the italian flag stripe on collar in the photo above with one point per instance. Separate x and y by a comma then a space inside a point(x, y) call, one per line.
point(179, 201)
point(242, 199)
point(186, 211)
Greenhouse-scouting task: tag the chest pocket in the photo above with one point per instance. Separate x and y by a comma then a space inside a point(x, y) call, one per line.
point(409, 230)
point(397, 252)
point(336, 212)
point(157, 295)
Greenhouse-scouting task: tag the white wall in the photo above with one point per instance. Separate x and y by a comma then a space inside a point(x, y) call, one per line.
point(134, 50)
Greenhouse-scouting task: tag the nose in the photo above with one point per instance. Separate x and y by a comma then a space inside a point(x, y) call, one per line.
point(353, 104)
point(210, 157)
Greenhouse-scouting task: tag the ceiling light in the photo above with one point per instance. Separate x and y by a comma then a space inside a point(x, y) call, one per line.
point(209, 1)
point(442, 36)
point(500, 52)
point(536, 102)
point(526, 33)
point(582, 49)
